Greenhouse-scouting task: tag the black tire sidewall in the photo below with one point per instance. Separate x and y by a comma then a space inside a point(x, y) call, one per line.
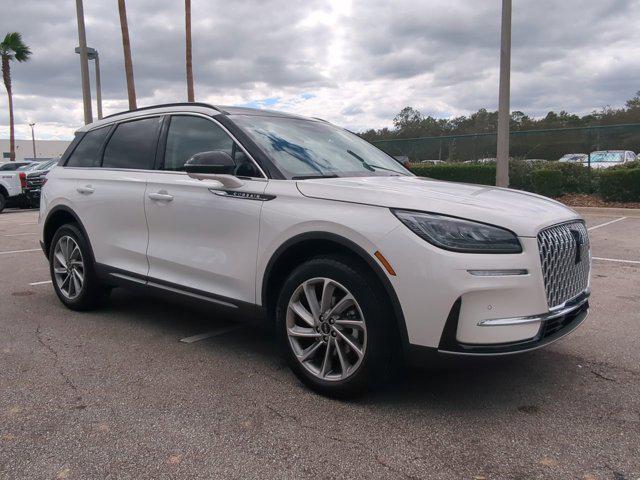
point(91, 288)
point(376, 364)
point(3, 202)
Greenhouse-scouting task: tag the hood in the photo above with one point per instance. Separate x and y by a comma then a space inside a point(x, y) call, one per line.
point(522, 212)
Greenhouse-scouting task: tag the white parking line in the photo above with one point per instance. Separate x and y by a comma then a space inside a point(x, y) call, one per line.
point(212, 333)
point(19, 234)
point(617, 260)
point(21, 251)
point(30, 223)
point(44, 282)
point(606, 223)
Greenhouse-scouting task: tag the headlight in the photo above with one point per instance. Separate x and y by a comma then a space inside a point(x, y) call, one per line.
point(459, 235)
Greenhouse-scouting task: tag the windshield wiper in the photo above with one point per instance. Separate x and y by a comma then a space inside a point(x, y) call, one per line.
point(307, 177)
point(368, 166)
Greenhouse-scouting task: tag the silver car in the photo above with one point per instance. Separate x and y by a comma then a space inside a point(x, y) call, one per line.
point(610, 158)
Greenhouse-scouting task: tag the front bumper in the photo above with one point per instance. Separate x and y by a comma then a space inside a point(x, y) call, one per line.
point(552, 326)
point(498, 300)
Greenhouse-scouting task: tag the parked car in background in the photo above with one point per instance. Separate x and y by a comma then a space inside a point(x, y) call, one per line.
point(432, 162)
point(357, 261)
point(610, 158)
point(12, 185)
point(574, 158)
point(535, 160)
point(35, 179)
point(12, 166)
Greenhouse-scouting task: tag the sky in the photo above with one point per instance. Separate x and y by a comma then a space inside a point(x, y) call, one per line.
point(353, 62)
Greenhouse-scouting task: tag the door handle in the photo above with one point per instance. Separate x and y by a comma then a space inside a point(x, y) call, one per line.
point(88, 190)
point(161, 196)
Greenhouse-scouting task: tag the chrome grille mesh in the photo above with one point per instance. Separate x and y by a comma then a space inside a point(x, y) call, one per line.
point(564, 254)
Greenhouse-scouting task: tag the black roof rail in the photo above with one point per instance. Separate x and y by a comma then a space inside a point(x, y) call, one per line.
point(164, 105)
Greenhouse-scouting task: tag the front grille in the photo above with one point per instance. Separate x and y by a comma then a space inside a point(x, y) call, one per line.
point(35, 182)
point(564, 254)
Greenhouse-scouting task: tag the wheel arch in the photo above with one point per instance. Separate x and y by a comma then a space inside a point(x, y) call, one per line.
point(58, 216)
point(311, 244)
point(4, 191)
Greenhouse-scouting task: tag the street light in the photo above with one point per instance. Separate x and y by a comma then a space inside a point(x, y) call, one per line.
point(84, 64)
point(92, 54)
point(33, 140)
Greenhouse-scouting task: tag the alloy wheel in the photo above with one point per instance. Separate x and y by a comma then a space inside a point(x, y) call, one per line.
point(68, 267)
point(326, 329)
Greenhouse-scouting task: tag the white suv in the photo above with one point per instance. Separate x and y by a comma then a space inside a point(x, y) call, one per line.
point(358, 262)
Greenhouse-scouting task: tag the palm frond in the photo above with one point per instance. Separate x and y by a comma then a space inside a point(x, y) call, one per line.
point(14, 48)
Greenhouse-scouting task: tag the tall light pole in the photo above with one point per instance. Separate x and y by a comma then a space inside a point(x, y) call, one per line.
point(92, 54)
point(188, 50)
point(84, 64)
point(96, 59)
point(33, 140)
point(504, 117)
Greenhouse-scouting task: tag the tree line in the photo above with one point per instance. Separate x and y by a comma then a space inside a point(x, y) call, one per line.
point(411, 123)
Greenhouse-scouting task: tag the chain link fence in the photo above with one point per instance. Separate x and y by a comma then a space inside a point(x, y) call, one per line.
point(548, 144)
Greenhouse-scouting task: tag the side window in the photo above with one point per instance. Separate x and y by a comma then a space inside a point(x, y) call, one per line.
point(133, 144)
point(86, 153)
point(189, 135)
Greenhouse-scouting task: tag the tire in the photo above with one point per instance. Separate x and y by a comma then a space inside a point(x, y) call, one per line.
point(377, 340)
point(3, 202)
point(92, 292)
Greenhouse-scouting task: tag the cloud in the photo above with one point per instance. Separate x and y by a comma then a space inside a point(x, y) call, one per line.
point(353, 62)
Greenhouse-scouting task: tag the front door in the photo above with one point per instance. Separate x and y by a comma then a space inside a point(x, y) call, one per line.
point(201, 237)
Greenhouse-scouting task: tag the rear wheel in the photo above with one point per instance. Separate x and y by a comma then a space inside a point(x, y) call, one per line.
point(73, 272)
point(336, 327)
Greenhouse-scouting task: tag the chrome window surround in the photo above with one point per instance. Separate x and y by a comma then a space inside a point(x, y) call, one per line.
point(170, 113)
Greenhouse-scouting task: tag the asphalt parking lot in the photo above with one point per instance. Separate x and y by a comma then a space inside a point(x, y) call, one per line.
point(117, 394)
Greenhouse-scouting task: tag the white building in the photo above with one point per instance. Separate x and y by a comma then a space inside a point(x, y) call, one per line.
point(24, 149)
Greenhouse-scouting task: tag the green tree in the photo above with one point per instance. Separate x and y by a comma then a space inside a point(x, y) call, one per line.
point(12, 48)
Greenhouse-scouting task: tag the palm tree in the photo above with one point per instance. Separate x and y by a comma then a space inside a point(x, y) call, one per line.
point(187, 21)
point(126, 45)
point(12, 48)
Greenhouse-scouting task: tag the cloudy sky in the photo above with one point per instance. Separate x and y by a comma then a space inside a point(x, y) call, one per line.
point(353, 62)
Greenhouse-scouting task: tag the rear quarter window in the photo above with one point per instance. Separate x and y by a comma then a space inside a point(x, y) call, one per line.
point(86, 154)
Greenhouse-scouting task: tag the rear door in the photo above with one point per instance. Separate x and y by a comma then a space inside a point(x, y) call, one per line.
point(110, 198)
point(201, 237)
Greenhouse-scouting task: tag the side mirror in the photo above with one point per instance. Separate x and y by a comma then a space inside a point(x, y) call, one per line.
point(213, 162)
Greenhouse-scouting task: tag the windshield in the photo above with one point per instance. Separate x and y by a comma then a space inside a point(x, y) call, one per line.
point(607, 157)
point(27, 168)
point(307, 149)
point(46, 165)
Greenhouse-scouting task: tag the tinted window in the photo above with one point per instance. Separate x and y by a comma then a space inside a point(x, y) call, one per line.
point(133, 145)
point(190, 135)
point(86, 153)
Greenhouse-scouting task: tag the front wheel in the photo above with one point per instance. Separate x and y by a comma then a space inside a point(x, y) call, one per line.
point(73, 272)
point(3, 202)
point(336, 327)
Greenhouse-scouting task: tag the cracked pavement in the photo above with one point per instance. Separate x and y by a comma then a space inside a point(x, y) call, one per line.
point(115, 394)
